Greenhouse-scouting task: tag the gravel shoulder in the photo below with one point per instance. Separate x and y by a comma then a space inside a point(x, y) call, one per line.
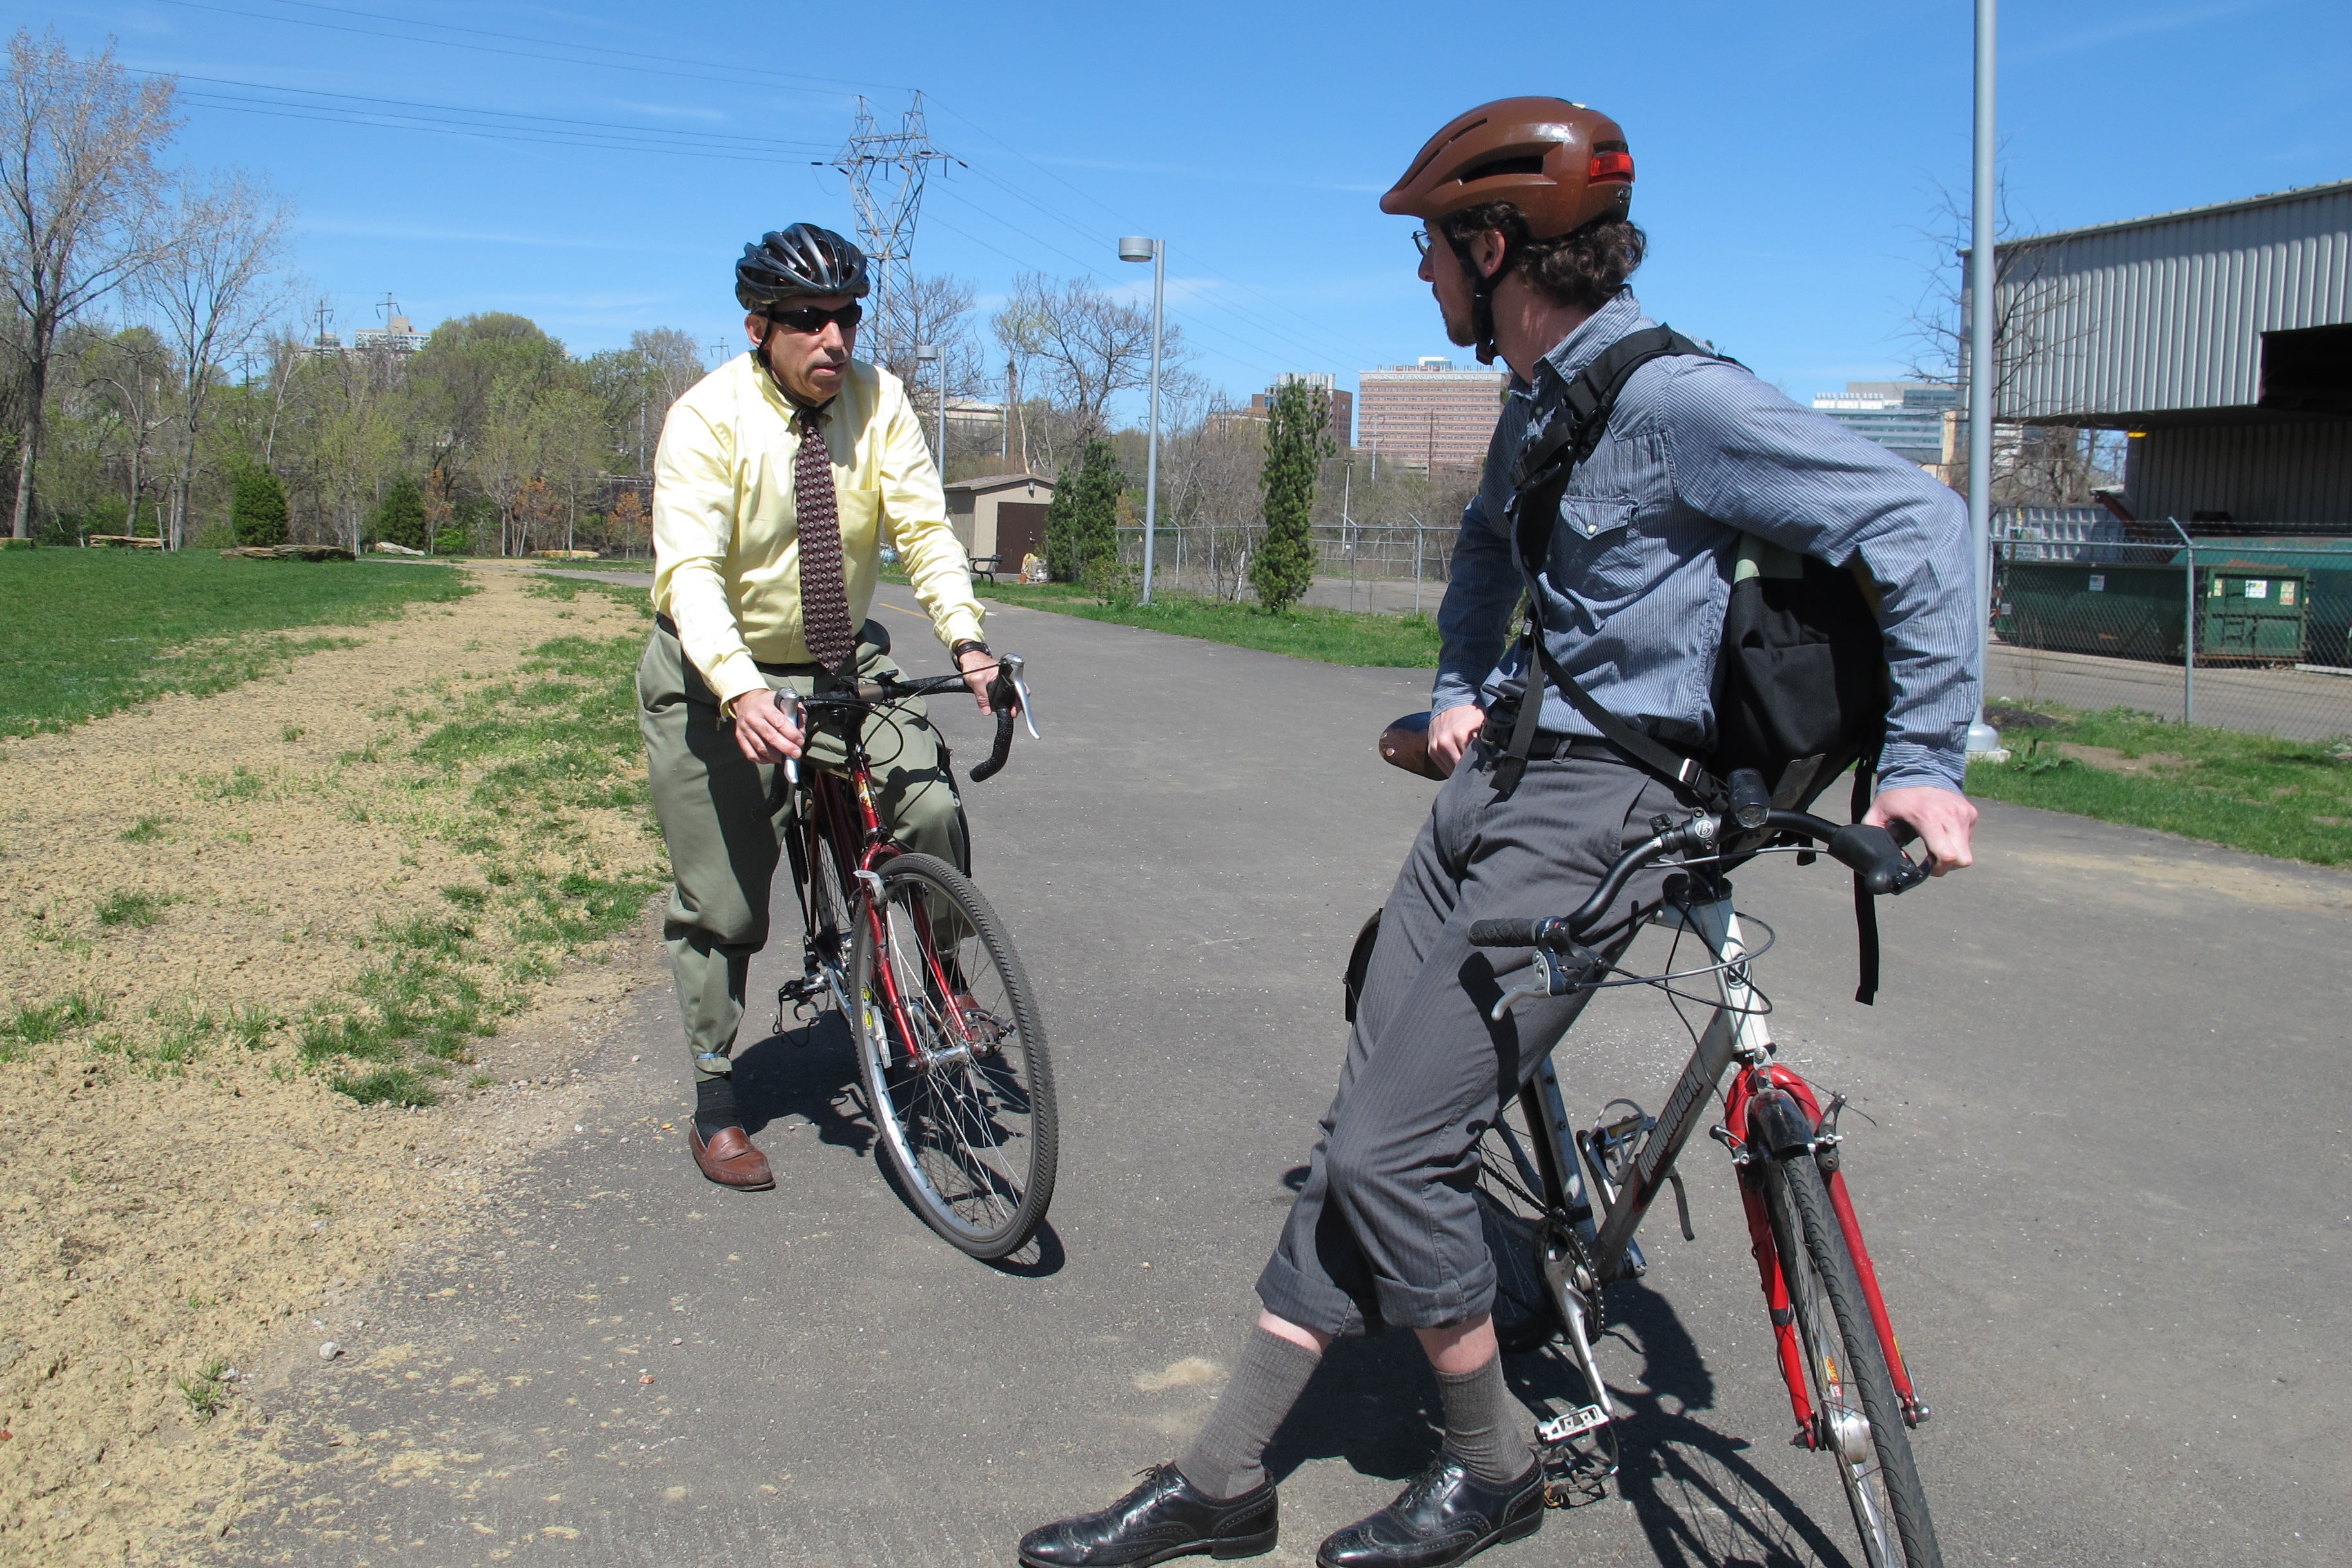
point(210, 914)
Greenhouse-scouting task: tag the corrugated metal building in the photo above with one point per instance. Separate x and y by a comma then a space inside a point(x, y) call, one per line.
point(2224, 333)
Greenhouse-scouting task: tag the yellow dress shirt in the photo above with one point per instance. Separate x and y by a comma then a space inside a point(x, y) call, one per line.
point(726, 534)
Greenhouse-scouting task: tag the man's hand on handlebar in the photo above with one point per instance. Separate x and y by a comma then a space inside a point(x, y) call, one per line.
point(1450, 733)
point(1943, 818)
point(764, 730)
point(977, 668)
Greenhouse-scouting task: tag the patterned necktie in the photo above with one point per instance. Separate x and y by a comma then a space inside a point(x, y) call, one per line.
point(824, 595)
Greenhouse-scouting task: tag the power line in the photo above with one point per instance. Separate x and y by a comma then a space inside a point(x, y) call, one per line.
point(627, 60)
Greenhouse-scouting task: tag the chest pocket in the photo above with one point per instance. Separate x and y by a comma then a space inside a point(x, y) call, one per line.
point(1600, 549)
point(861, 513)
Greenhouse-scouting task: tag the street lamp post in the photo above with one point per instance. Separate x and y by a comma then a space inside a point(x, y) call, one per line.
point(1135, 248)
point(929, 353)
point(1983, 739)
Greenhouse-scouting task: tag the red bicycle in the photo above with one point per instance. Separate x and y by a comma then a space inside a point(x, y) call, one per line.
point(950, 1044)
point(1562, 1207)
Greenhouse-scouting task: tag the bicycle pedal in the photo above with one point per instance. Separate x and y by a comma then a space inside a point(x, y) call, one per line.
point(1573, 1423)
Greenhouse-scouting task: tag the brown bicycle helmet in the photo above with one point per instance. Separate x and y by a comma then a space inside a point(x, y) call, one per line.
point(1564, 166)
point(1561, 165)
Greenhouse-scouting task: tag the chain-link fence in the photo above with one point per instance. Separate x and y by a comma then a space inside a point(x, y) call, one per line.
point(2248, 629)
point(1395, 571)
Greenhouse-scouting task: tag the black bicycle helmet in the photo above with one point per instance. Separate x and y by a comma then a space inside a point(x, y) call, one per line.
point(799, 261)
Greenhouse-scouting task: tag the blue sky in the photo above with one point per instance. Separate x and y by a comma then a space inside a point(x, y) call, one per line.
point(1789, 154)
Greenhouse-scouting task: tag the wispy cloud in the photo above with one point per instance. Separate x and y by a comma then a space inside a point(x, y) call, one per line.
point(2137, 27)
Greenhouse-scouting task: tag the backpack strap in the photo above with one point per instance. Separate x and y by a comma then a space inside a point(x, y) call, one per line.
point(1539, 477)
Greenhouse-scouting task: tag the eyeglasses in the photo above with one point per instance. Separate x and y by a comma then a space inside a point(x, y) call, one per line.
point(1420, 242)
point(811, 320)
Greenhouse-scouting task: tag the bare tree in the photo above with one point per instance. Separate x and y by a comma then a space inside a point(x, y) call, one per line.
point(132, 365)
point(212, 291)
point(2031, 329)
point(1076, 348)
point(77, 193)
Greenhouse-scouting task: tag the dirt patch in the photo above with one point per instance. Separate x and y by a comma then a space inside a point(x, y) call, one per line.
point(213, 910)
point(2115, 761)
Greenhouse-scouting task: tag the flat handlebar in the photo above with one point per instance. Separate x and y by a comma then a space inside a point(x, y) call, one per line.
point(1870, 851)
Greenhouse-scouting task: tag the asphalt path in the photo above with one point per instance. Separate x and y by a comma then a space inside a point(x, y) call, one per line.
point(2098, 1143)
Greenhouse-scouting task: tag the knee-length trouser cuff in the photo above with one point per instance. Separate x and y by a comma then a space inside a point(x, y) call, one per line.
point(1308, 1297)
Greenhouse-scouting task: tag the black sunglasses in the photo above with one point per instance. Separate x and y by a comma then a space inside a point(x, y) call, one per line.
point(811, 320)
point(1421, 241)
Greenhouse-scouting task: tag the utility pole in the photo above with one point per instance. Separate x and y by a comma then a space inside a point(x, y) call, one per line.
point(887, 170)
point(1983, 739)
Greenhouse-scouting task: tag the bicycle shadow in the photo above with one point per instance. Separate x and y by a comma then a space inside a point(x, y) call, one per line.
point(811, 1072)
point(1699, 1501)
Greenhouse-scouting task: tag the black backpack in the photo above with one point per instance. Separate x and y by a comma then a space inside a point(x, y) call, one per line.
point(1801, 685)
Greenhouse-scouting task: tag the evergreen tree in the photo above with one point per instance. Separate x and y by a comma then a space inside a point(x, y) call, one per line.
point(1082, 520)
point(400, 518)
point(257, 513)
point(1296, 447)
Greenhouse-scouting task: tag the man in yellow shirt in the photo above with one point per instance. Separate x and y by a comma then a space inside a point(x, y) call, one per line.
point(779, 477)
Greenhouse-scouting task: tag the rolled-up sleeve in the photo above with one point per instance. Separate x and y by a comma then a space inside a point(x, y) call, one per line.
point(693, 526)
point(1474, 618)
point(916, 510)
point(1744, 455)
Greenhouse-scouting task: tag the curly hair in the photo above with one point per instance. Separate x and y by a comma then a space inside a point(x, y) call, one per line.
point(1585, 268)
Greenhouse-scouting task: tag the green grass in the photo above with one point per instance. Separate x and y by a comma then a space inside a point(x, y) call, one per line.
point(2255, 792)
point(1303, 631)
point(86, 632)
point(204, 1392)
point(141, 910)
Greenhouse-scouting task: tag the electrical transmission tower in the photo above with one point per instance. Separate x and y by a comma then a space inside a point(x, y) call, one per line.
point(887, 170)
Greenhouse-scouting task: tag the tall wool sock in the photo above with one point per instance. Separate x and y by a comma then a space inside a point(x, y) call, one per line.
point(1484, 1425)
point(1224, 1459)
point(714, 1105)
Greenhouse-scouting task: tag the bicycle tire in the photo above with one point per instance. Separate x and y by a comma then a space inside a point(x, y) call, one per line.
point(964, 1110)
point(1514, 1200)
point(829, 910)
point(1888, 1503)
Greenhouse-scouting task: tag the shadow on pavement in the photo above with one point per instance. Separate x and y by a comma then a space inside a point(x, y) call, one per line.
point(1697, 1498)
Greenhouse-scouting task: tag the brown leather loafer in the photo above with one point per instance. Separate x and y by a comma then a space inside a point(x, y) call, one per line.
point(730, 1159)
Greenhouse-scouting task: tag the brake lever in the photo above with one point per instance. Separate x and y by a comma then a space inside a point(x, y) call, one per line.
point(1014, 665)
point(788, 703)
point(1556, 974)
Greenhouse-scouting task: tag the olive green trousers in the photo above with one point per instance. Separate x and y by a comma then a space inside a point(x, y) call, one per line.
point(712, 804)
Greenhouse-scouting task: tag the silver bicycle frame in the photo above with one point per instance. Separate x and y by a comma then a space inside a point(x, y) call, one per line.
point(1735, 1033)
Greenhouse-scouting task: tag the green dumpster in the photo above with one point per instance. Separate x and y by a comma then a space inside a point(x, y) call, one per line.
point(2251, 613)
point(2124, 610)
point(2248, 612)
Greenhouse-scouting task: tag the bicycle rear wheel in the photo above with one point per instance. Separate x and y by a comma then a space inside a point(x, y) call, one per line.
point(1515, 1201)
point(1857, 1419)
point(952, 1051)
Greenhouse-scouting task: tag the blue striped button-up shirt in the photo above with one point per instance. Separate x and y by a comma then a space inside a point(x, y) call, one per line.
point(1696, 453)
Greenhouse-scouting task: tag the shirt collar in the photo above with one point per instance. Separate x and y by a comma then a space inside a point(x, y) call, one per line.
point(1569, 357)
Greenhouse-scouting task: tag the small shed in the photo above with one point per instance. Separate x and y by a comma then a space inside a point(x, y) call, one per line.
point(1000, 515)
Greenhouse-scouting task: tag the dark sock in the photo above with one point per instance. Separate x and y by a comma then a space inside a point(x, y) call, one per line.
point(1224, 1459)
point(714, 1105)
point(1483, 1424)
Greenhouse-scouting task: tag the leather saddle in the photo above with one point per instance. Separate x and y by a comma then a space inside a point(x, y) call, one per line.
point(1405, 744)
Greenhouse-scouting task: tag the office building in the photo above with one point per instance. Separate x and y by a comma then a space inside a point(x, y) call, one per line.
point(1907, 418)
point(1432, 415)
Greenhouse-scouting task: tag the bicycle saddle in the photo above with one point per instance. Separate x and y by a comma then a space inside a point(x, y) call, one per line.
point(1405, 744)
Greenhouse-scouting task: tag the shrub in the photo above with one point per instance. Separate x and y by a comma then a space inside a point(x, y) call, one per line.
point(401, 519)
point(257, 510)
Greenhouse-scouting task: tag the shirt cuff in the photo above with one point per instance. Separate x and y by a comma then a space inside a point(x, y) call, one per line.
point(736, 675)
point(1904, 765)
point(960, 625)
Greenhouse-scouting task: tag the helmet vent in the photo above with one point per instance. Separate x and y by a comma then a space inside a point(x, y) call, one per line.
point(1531, 164)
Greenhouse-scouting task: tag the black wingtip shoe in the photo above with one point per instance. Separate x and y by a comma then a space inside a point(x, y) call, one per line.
point(1446, 1516)
point(1165, 1517)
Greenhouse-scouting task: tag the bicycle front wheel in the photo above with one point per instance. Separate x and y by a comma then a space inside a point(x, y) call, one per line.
point(952, 1051)
point(1857, 1420)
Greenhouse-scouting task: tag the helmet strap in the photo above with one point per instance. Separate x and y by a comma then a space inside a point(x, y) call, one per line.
point(1482, 291)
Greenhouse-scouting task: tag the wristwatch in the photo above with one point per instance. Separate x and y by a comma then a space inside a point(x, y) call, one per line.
point(969, 644)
